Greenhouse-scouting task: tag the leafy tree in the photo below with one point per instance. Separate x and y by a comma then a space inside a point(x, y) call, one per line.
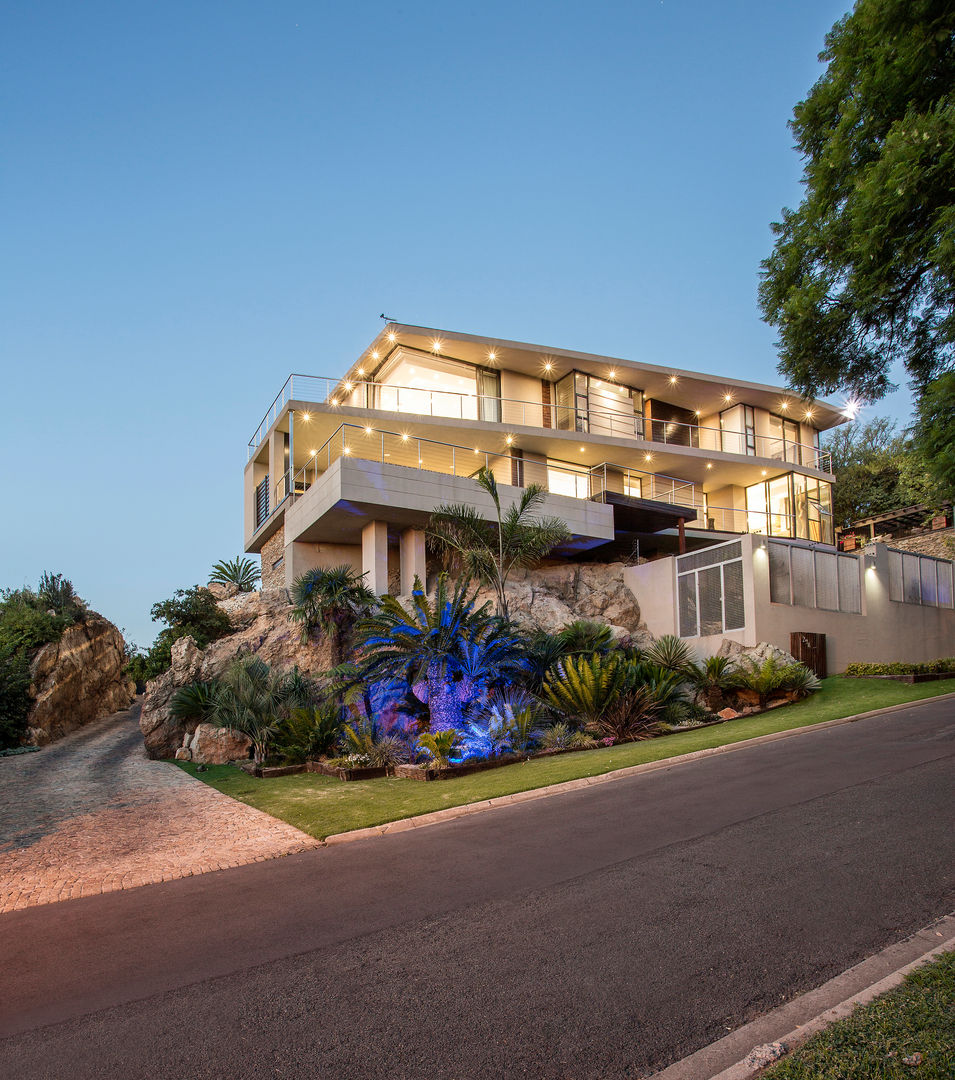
point(935, 433)
point(56, 593)
point(332, 600)
point(187, 613)
point(490, 550)
point(243, 573)
point(877, 469)
point(862, 275)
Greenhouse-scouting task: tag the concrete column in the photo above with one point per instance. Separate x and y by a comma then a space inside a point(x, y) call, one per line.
point(412, 552)
point(374, 556)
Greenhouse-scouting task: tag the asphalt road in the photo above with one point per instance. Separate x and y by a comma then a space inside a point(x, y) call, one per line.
point(601, 933)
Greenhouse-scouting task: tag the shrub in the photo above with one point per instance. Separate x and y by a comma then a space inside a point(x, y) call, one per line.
point(940, 666)
point(631, 716)
point(197, 702)
point(557, 736)
point(187, 613)
point(581, 688)
point(440, 745)
point(585, 636)
point(14, 695)
point(308, 732)
point(800, 681)
point(243, 573)
point(773, 677)
point(669, 652)
point(712, 679)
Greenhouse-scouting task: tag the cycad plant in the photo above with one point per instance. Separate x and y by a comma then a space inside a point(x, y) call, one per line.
point(440, 745)
point(712, 679)
point(449, 652)
point(331, 600)
point(581, 688)
point(195, 702)
point(309, 732)
point(514, 538)
point(243, 573)
point(585, 636)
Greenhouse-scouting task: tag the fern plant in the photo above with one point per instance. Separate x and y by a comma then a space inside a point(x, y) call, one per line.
point(440, 745)
point(243, 573)
point(581, 688)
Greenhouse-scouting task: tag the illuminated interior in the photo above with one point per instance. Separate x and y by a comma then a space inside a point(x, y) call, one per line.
point(793, 506)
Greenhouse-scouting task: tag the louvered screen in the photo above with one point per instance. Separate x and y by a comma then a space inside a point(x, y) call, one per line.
point(779, 582)
point(711, 600)
point(735, 618)
point(802, 577)
point(911, 579)
point(686, 586)
point(927, 574)
point(827, 581)
point(850, 588)
point(709, 556)
point(895, 576)
point(944, 570)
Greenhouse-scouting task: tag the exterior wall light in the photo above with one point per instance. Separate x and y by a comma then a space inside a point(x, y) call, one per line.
point(509, 439)
point(404, 436)
point(306, 416)
point(548, 367)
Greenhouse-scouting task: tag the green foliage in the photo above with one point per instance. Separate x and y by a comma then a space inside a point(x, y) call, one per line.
point(585, 636)
point(935, 433)
point(712, 679)
point(24, 624)
point(243, 573)
point(56, 593)
point(541, 652)
point(195, 702)
point(489, 550)
point(331, 600)
point(520, 715)
point(860, 670)
point(440, 745)
point(670, 652)
point(877, 469)
point(14, 694)
point(771, 677)
point(308, 732)
point(254, 700)
point(630, 716)
point(187, 613)
point(581, 688)
point(862, 275)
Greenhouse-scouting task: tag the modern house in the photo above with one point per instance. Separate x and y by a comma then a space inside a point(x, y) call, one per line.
point(637, 459)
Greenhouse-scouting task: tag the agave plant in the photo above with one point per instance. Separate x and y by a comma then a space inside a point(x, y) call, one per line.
point(581, 688)
point(670, 652)
point(440, 745)
point(330, 600)
point(243, 573)
point(514, 539)
point(448, 651)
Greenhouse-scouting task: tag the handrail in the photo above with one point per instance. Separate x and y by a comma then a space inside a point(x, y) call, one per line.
point(386, 397)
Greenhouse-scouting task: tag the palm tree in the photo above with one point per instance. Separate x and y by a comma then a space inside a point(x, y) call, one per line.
point(253, 700)
point(243, 573)
point(331, 599)
point(449, 652)
point(489, 550)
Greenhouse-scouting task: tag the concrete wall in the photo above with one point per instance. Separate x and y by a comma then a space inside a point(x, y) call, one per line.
point(885, 630)
point(521, 388)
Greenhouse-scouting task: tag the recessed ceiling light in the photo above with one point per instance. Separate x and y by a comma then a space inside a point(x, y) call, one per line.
point(392, 336)
point(492, 356)
point(305, 416)
point(673, 380)
point(709, 465)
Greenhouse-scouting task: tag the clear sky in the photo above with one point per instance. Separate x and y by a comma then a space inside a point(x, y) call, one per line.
point(199, 198)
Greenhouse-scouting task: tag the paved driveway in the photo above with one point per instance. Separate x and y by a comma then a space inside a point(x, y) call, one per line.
point(92, 813)
point(596, 934)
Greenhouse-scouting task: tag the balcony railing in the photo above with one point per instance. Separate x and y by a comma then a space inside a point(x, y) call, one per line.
point(520, 413)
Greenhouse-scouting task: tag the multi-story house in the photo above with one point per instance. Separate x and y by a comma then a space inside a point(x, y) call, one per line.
point(635, 457)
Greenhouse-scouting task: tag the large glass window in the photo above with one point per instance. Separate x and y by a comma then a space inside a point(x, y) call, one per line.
point(585, 403)
point(791, 505)
point(433, 386)
point(563, 479)
point(783, 440)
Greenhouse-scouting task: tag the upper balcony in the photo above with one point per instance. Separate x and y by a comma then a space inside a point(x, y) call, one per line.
point(581, 416)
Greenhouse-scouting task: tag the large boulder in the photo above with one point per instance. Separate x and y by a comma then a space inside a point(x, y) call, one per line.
point(262, 629)
point(77, 679)
point(762, 650)
point(211, 745)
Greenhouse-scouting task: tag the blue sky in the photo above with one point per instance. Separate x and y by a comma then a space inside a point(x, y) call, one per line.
point(199, 198)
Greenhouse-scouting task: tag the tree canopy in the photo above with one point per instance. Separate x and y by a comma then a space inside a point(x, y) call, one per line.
point(877, 469)
point(934, 432)
point(862, 274)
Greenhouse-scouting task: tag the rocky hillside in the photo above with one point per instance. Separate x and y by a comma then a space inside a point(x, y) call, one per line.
point(549, 597)
point(77, 680)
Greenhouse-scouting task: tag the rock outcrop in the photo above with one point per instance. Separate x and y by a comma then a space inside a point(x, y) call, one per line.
point(262, 629)
point(211, 745)
point(762, 650)
point(77, 680)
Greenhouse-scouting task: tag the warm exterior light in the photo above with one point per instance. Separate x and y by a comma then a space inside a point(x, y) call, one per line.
point(851, 408)
point(509, 439)
point(347, 450)
point(612, 373)
point(334, 400)
point(709, 465)
point(375, 354)
point(548, 367)
point(673, 380)
point(582, 449)
point(367, 430)
point(476, 450)
point(348, 387)
point(404, 437)
point(492, 356)
point(648, 457)
point(727, 397)
point(436, 345)
point(697, 413)
point(312, 453)
point(764, 472)
point(392, 336)
point(361, 371)
point(783, 406)
point(809, 414)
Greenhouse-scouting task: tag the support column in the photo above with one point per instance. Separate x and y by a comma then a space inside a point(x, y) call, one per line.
point(374, 556)
point(682, 535)
point(412, 555)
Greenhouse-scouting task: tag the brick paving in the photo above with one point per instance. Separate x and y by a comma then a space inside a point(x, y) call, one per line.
point(92, 813)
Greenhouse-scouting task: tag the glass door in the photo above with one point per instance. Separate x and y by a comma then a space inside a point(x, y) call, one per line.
point(489, 395)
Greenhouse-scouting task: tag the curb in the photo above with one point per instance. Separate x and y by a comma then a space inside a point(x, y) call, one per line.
point(734, 1056)
point(436, 817)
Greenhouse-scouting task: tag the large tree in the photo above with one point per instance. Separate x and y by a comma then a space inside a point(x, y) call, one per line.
point(935, 433)
point(862, 275)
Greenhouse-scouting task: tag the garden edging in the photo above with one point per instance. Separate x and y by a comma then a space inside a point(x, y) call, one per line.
point(452, 812)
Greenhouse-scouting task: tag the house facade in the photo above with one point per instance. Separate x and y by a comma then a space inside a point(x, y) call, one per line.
point(637, 459)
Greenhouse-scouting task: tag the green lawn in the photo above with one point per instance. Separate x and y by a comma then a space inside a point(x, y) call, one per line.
point(908, 1032)
point(323, 805)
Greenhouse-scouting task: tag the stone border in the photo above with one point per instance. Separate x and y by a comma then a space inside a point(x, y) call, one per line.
point(792, 1024)
point(436, 817)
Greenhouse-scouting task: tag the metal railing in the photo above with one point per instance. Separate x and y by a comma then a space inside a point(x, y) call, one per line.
point(384, 397)
point(766, 523)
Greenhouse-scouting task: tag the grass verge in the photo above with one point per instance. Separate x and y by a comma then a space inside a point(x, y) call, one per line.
point(908, 1032)
point(323, 805)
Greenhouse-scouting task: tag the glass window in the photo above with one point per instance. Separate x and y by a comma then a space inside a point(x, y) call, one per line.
point(749, 415)
point(565, 480)
point(430, 386)
point(757, 520)
point(780, 507)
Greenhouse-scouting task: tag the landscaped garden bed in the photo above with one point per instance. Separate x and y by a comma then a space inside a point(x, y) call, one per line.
point(943, 668)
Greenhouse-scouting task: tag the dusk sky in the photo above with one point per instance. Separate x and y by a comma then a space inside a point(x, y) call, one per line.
point(199, 198)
